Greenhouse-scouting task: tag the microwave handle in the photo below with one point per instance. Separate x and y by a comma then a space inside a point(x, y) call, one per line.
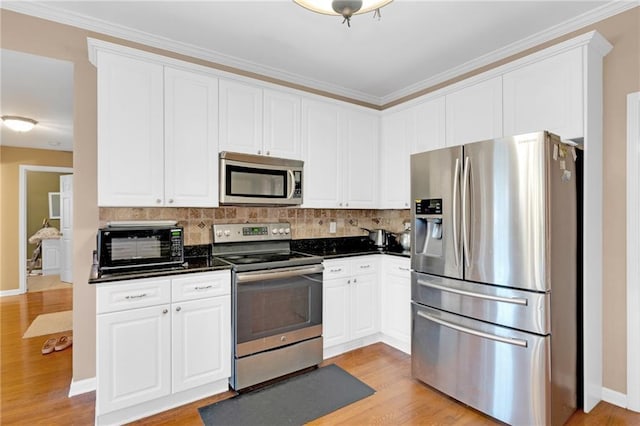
point(292, 184)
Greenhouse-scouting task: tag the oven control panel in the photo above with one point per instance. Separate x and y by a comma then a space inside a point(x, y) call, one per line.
point(239, 232)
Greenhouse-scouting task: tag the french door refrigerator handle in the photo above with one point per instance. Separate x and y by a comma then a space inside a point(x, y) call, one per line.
point(514, 300)
point(465, 235)
point(478, 333)
point(456, 182)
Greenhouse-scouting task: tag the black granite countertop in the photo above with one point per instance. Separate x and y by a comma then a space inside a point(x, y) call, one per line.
point(331, 248)
point(196, 259)
point(199, 259)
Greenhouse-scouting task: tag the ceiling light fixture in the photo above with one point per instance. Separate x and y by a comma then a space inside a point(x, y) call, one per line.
point(18, 124)
point(344, 8)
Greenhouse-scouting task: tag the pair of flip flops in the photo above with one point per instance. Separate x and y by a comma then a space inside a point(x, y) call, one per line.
point(56, 344)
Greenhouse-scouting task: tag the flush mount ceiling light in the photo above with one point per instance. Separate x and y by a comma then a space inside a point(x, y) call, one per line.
point(344, 8)
point(18, 124)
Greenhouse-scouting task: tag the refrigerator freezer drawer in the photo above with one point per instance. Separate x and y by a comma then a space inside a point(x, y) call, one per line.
point(501, 372)
point(523, 310)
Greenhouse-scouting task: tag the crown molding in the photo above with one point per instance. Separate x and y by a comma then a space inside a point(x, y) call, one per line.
point(42, 10)
point(591, 17)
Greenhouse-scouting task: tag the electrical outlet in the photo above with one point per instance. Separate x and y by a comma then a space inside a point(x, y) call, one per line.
point(332, 227)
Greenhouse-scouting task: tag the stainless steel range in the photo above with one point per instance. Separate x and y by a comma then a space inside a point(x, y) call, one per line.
point(276, 302)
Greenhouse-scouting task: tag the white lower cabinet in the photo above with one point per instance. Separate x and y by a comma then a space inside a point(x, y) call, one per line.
point(200, 342)
point(161, 343)
point(395, 285)
point(350, 304)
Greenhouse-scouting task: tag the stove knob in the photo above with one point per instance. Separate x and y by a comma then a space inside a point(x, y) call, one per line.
point(227, 233)
point(281, 231)
point(287, 230)
point(274, 231)
point(219, 233)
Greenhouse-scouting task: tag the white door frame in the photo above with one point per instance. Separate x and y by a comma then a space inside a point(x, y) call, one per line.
point(633, 251)
point(22, 217)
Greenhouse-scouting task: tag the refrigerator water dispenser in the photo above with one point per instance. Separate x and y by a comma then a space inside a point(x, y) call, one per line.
point(428, 236)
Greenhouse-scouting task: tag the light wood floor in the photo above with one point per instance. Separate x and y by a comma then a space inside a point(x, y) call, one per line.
point(45, 282)
point(34, 387)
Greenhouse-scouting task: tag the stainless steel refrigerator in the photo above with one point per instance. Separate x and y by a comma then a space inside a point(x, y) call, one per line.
point(494, 238)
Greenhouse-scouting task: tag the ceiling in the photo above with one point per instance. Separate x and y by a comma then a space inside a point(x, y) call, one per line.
point(38, 88)
point(415, 45)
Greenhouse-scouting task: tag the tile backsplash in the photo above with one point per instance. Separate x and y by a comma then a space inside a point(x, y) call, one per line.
point(305, 223)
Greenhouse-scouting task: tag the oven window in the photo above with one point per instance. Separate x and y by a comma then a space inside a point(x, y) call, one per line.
point(251, 182)
point(276, 306)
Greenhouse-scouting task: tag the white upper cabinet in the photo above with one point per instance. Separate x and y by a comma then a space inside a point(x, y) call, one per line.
point(130, 132)
point(416, 129)
point(281, 130)
point(361, 171)
point(429, 126)
point(474, 113)
point(398, 134)
point(546, 95)
point(191, 139)
point(259, 121)
point(240, 117)
point(157, 135)
point(322, 178)
point(340, 147)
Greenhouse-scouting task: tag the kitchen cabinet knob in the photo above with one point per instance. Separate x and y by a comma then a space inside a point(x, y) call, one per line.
point(170, 200)
point(348, 281)
point(268, 153)
point(164, 311)
point(259, 152)
point(340, 204)
point(158, 200)
point(178, 309)
point(354, 280)
point(347, 204)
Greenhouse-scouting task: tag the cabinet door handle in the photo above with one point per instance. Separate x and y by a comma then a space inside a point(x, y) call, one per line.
point(203, 287)
point(164, 311)
point(178, 309)
point(136, 296)
point(335, 270)
point(403, 269)
point(365, 266)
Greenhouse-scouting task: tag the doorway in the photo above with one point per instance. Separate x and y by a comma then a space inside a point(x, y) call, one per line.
point(44, 252)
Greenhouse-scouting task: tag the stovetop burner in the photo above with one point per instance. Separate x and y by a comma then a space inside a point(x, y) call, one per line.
point(256, 246)
point(256, 261)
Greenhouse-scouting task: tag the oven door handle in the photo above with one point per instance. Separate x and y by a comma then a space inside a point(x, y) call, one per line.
point(247, 277)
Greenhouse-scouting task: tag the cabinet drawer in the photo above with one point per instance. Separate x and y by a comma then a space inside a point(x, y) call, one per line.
point(132, 294)
point(361, 266)
point(398, 267)
point(198, 286)
point(335, 269)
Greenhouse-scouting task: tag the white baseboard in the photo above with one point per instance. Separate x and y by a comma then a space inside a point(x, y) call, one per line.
point(614, 397)
point(13, 292)
point(78, 387)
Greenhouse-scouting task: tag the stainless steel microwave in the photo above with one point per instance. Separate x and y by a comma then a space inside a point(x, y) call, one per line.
point(259, 180)
point(130, 247)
